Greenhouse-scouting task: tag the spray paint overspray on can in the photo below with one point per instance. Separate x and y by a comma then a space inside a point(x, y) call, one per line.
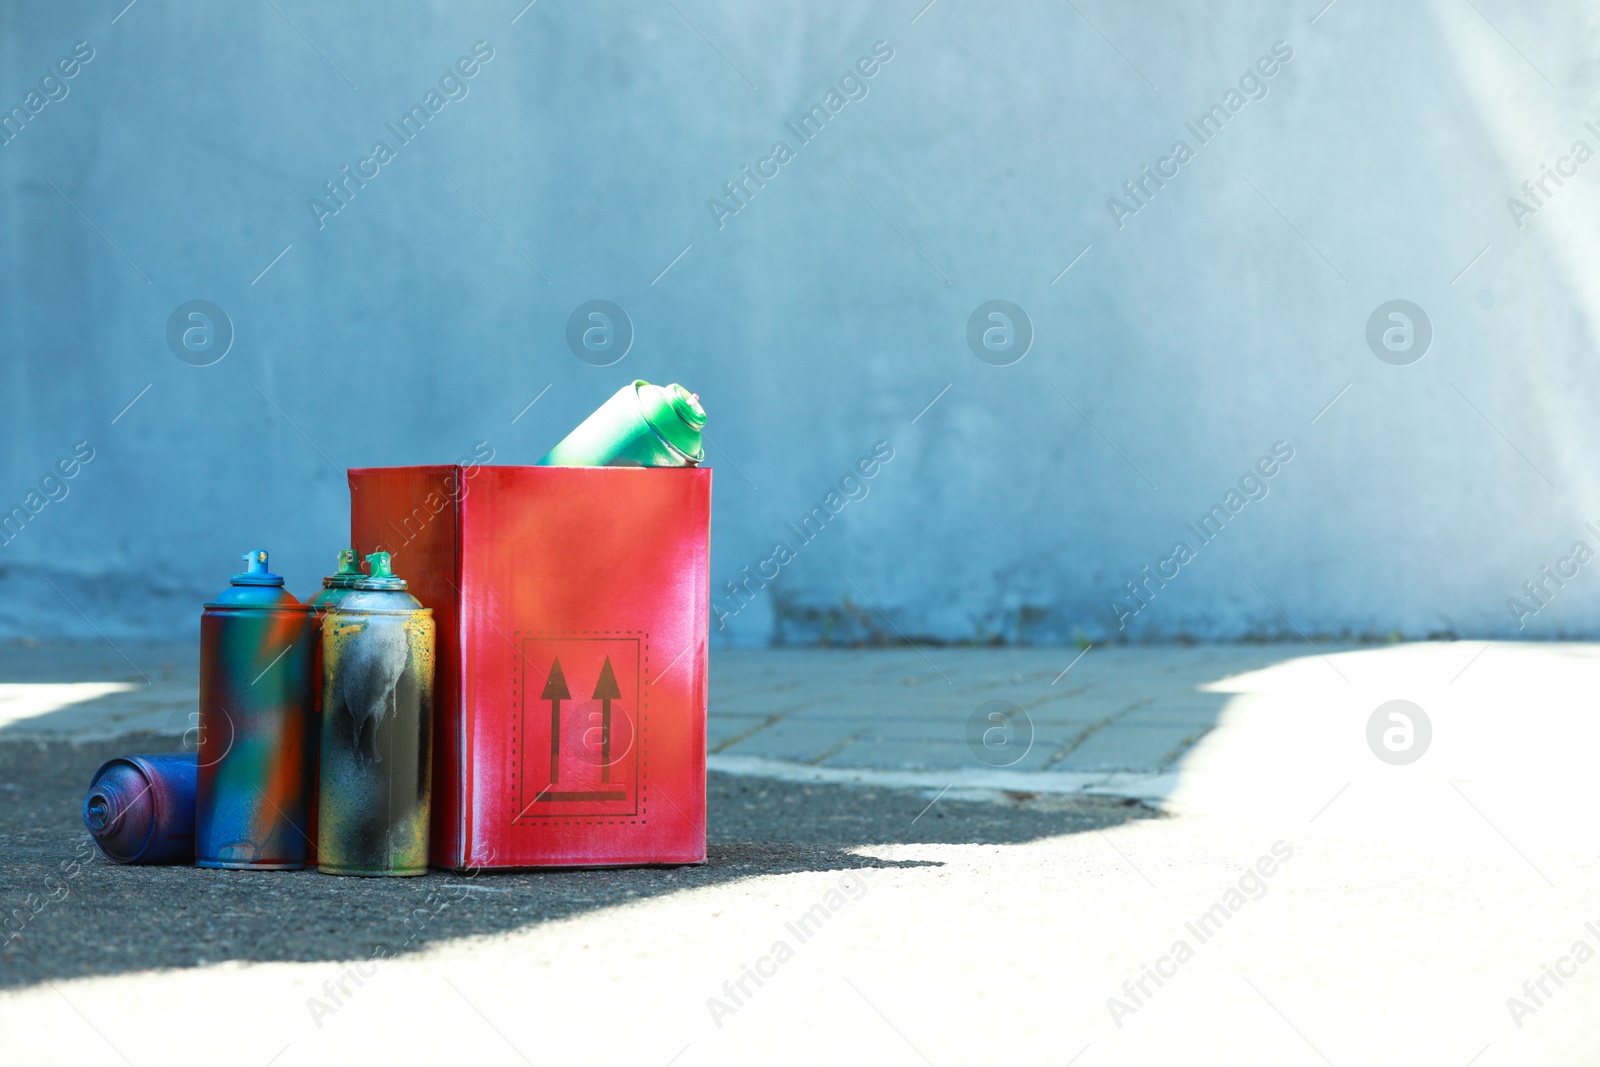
point(140, 809)
point(257, 746)
point(642, 425)
point(334, 588)
point(377, 729)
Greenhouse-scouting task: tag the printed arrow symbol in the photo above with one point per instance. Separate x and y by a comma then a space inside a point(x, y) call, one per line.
point(555, 691)
point(605, 691)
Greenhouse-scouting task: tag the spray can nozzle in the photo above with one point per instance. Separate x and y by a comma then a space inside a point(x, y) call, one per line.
point(380, 574)
point(255, 572)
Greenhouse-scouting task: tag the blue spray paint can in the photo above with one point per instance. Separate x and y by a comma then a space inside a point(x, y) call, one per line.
point(140, 809)
point(257, 743)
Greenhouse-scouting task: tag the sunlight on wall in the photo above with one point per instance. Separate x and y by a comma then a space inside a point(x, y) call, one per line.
point(1534, 128)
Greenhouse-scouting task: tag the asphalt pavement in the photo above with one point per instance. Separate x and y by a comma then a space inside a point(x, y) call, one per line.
point(96, 918)
point(948, 856)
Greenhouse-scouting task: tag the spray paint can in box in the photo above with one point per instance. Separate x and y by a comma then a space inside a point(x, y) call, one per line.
point(377, 729)
point(140, 809)
point(257, 746)
point(642, 425)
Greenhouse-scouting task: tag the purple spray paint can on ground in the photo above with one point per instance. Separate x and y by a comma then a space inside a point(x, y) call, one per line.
point(140, 809)
point(257, 745)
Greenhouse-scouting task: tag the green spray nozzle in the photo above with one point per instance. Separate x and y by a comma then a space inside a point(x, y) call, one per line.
point(674, 413)
point(382, 575)
point(687, 406)
point(348, 574)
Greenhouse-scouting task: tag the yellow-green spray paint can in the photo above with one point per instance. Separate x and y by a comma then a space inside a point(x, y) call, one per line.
point(378, 646)
point(334, 588)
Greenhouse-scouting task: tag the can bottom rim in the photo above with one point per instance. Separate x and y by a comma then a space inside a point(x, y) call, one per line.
point(227, 865)
point(368, 872)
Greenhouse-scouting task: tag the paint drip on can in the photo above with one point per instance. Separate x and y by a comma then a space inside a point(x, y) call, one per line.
point(642, 425)
point(334, 588)
point(140, 809)
point(257, 746)
point(377, 729)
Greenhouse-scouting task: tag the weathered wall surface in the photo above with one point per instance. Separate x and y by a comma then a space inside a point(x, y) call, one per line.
point(1180, 334)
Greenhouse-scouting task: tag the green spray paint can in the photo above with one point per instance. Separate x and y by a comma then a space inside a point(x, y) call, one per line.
point(642, 425)
point(375, 782)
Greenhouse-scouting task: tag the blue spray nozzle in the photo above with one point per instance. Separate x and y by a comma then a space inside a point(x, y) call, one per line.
point(256, 572)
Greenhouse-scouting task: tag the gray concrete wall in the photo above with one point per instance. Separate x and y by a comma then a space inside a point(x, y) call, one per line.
point(1192, 333)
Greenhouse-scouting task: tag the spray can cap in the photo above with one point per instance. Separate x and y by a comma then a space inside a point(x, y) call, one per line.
point(255, 572)
point(348, 574)
point(674, 413)
point(382, 576)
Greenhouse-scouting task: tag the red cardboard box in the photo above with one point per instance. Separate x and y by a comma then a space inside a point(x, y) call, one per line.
point(570, 688)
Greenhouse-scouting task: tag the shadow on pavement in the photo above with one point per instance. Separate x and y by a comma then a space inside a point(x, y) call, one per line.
point(105, 919)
